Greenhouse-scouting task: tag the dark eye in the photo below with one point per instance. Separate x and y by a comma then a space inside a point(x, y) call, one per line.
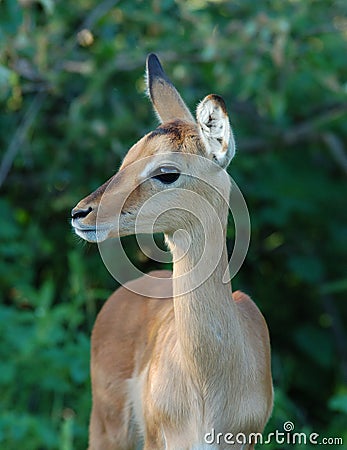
point(166, 174)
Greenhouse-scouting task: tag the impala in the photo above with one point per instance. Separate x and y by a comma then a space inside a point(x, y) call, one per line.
point(175, 355)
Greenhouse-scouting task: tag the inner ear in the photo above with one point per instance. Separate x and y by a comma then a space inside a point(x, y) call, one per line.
point(167, 102)
point(215, 130)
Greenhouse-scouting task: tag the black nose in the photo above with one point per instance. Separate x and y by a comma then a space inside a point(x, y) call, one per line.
point(78, 213)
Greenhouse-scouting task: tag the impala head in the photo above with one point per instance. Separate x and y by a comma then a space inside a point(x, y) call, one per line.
point(167, 175)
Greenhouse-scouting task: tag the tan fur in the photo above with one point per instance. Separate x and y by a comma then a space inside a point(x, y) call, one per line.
point(165, 371)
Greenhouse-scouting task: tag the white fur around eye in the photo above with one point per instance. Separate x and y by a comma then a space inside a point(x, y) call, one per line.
point(215, 129)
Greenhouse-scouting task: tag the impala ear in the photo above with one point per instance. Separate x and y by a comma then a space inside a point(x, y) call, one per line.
point(215, 130)
point(167, 102)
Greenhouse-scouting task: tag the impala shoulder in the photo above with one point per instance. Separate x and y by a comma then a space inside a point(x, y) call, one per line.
point(249, 310)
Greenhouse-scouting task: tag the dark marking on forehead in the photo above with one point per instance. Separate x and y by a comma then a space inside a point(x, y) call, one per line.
point(177, 131)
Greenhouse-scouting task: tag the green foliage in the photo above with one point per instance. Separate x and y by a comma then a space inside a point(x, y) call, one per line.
point(71, 89)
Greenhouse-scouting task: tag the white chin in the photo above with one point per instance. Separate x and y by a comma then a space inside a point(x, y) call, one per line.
point(92, 235)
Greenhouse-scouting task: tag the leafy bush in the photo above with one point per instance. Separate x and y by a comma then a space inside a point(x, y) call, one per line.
point(71, 87)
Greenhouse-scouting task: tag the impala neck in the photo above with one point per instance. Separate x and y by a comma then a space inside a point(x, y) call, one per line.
point(206, 321)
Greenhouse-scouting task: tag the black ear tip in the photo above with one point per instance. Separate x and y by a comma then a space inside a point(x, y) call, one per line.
point(152, 58)
point(154, 67)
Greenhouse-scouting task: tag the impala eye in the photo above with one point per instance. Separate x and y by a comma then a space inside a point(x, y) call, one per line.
point(166, 174)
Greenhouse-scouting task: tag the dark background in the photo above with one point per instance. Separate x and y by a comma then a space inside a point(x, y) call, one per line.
point(72, 103)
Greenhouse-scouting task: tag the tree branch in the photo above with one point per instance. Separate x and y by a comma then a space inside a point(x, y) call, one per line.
point(335, 146)
point(310, 126)
point(20, 135)
point(300, 132)
point(36, 104)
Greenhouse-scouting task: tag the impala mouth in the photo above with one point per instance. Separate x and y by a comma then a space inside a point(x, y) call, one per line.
point(91, 234)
